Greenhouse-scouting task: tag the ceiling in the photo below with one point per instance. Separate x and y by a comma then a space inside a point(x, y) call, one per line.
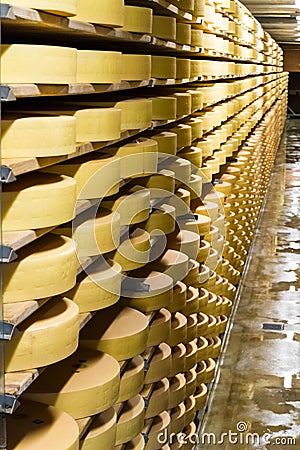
point(281, 18)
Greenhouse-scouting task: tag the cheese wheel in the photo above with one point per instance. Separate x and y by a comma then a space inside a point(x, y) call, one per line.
point(177, 390)
point(206, 145)
point(109, 12)
point(192, 302)
point(52, 196)
point(154, 427)
point(82, 385)
point(163, 67)
point(133, 206)
point(166, 142)
point(183, 69)
point(192, 276)
point(186, 242)
point(210, 370)
point(199, 224)
point(177, 416)
point(191, 348)
point(203, 251)
point(196, 68)
point(202, 324)
point(94, 232)
point(179, 297)
point(161, 220)
point(159, 327)
point(136, 67)
point(209, 209)
point(49, 335)
point(132, 378)
point(164, 108)
point(186, 5)
point(61, 8)
point(37, 136)
point(183, 33)
point(197, 131)
point(155, 293)
point(161, 184)
point(181, 201)
point(178, 329)
point(202, 353)
point(181, 168)
point(201, 372)
point(156, 397)
point(101, 434)
point(194, 185)
point(130, 419)
point(157, 363)
point(204, 274)
point(200, 396)
point(212, 259)
point(172, 263)
point(184, 103)
point(134, 251)
point(94, 66)
point(199, 7)
point(164, 27)
point(178, 364)
point(137, 19)
point(184, 135)
point(197, 38)
point(95, 178)
point(190, 409)
point(217, 346)
point(35, 425)
point(43, 64)
point(122, 332)
point(99, 289)
point(191, 381)
point(53, 261)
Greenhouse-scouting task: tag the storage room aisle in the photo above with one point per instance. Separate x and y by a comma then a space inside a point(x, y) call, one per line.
point(257, 392)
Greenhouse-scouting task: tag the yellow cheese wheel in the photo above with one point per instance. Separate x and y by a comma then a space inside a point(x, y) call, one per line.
point(192, 276)
point(101, 434)
point(132, 378)
point(38, 201)
point(199, 7)
point(194, 185)
point(122, 332)
point(35, 425)
point(164, 108)
point(190, 409)
point(166, 142)
point(197, 38)
point(186, 242)
point(138, 443)
point(197, 130)
point(192, 154)
point(183, 33)
point(202, 324)
point(133, 206)
point(191, 381)
point(49, 335)
point(161, 184)
point(184, 103)
point(161, 220)
point(37, 136)
point(197, 99)
point(156, 397)
point(95, 178)
point(164, 27)
point(202, 349)
point(159, 327)
point(177, 390)
point(109, 12)
point(137, 19)
point(157, 293)
point(185, 5)
point(62, 8)
point(82, 385)
point(163, 67)
point(209, 209)
point(130, 419)
point(192, 301)
point(178, 364)
point(157, 363)
point(201, 372)
point(179, 297)
point(52, 259)
point(178, 329)
point(192, 348)
point(153, 429)
point(177, 415)
point(183, 69)
point(99, 288)
point(184, 135)
point(94, 232)
point(172, 263)
point(136, 67)
point(181, 168)
point(94, 66)
point(203, 251)
point(43, 64)
point(134, 251)
point(200, 396)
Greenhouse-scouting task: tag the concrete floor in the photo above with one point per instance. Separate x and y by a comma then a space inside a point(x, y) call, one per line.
point(258, 384)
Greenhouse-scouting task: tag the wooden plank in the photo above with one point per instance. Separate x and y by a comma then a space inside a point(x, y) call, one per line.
point(15, 313)
point(83, 425)
point(18, 239)
point(17, 382)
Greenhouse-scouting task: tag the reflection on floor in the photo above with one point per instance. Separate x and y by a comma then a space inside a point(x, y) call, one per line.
point(258, 389)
